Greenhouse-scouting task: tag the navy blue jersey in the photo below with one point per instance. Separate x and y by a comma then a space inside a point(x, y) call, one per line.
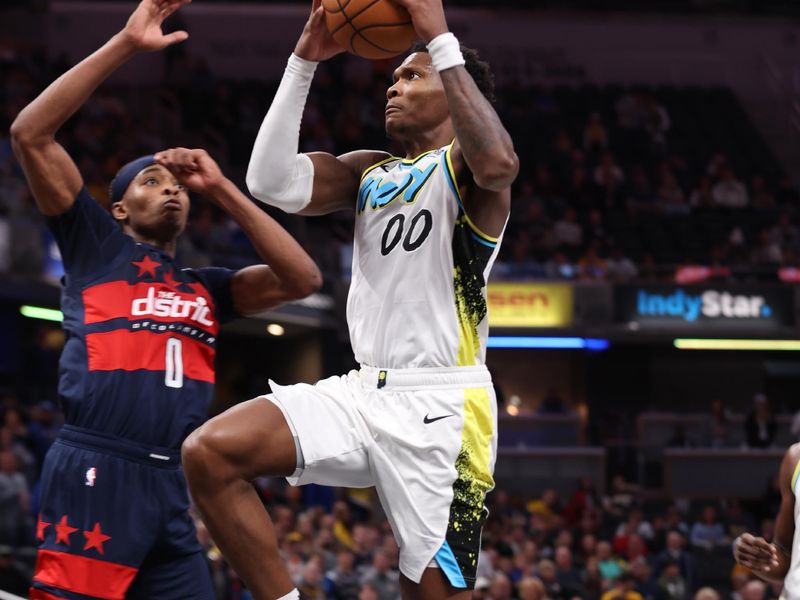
point(141, 333)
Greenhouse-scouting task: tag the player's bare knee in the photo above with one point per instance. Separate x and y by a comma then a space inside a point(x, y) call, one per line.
point(202, 459)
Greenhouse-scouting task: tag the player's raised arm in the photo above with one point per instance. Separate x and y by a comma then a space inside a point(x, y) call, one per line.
point(481, 139)
point(51, 173)
point(291, 273)
point(309, 184)
point(771, 561)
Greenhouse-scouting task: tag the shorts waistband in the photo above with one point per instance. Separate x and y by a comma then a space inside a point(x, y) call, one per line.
point(102, 442)
point(449, 377)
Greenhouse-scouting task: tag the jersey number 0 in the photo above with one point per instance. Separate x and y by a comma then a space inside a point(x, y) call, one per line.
point(413, 239)
point(173, 376)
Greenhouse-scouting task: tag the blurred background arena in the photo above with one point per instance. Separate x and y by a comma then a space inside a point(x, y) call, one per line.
point(644, 308)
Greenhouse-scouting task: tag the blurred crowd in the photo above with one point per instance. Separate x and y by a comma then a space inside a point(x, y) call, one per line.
point(604, 173)
point(627, 543)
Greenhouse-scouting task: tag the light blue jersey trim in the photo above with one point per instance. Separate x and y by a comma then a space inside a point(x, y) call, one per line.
point(449, 566)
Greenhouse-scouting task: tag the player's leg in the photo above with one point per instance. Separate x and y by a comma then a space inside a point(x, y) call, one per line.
point(432, 586)
point(220, 460)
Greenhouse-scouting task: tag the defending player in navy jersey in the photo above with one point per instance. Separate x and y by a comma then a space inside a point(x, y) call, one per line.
point(418, 419)
point(137, 371)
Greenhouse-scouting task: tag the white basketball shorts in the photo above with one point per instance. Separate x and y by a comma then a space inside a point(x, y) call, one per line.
point(425, 438)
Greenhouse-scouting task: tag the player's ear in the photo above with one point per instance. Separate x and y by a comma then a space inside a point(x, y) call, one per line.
point(119, 212)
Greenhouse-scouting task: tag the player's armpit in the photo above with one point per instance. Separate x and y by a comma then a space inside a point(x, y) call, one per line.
point(336, 180)
point(52, 175)
point(488, 210)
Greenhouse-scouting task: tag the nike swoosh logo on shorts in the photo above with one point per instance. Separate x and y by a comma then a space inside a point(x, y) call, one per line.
point(427, 420)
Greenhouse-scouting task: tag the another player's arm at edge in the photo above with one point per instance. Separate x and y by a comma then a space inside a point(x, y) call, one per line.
point(483, 156)
point(53, 177)
point(770, 561)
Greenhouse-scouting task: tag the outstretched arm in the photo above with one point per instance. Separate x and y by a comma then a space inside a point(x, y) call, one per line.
point(312, 184)
point(51, 173)
point(291, 273)
point(770, 561)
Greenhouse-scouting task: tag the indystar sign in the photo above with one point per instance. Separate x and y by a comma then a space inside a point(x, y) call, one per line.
point(712, 304)
point(687, 305)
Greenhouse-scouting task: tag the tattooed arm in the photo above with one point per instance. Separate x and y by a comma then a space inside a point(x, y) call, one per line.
point(483, 158)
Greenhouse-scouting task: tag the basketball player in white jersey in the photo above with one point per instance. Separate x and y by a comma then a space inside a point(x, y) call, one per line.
point(778, 561)
point(418, 420)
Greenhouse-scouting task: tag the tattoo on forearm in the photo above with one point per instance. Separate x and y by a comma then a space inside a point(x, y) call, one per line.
point(476, 123)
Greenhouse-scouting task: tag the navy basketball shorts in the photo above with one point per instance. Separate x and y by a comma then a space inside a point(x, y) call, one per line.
point(114, 523)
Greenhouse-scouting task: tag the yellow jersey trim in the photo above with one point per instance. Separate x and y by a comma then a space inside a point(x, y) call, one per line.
point(376, 165)
point(452, 174)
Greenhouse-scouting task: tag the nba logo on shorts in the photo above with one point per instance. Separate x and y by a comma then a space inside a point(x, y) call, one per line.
point(91, 475)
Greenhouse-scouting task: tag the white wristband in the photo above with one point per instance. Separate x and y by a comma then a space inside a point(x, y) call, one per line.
point(445, 52)
point(302, 67)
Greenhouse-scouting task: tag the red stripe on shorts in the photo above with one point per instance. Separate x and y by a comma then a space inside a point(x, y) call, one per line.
point(83, 575)
point(37, 594)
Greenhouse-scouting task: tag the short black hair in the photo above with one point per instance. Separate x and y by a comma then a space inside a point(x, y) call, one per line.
point(479, 69)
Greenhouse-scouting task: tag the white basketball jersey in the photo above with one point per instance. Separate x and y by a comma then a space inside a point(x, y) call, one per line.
point(418, 291)
point(791, 583)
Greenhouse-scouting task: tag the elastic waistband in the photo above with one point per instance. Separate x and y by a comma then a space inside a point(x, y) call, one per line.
point(116, 446)
point(410, 379)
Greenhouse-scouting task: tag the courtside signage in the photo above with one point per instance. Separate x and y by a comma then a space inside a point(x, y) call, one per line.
point(704, 305)
point(530, 305)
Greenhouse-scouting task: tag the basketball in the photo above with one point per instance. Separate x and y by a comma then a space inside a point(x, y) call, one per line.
point(370, 28)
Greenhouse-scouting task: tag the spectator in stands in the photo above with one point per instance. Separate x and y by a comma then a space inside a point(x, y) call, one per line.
point(672, 200)
point(593, 581)
point(619, 267)
point(610, 567)
point(762, 198)
point(675, 552)
point(642, 573)
point(641, 197)
point(568, 577)
point(760, 426)
point(14, 502)
point(755, 589)
point(559, 267)
point(580, 191)
point(595, 137)
point(767, 250)
point(706, 593)
point(592, 266)
point(500, 588)
point(729, 192)
point(671, 583)
point(656, 122)
point(709, 532)
point(531, 588)
point(368, 591)
point(719, 424)
point(567, 232)
point(784, 234)
point(547, 573)
point(624, 589)
point(46, 421)
point(13, 576)
point(702, 197)
point(381, 575)
point(341, 582)
point(311, 586)
point(609, 178)
point(552, 404)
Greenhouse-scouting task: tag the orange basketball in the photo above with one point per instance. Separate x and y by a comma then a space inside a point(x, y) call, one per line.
point(370, 28)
